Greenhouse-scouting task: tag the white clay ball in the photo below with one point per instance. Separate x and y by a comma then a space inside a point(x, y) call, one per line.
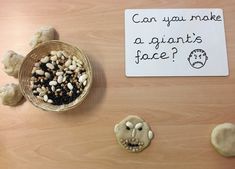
point(223, 139)
point(42, 35)
point(12, 62)
point(10, 94)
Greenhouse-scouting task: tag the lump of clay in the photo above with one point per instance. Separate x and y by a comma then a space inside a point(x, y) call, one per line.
point(223, 139)
point(12, 62)
point(133, 134)
point(42, 35)
point(10, 94)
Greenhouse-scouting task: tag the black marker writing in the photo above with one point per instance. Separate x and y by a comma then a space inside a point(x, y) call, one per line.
point(211, 17)
point(155, 56)
point(138, 41)
point(175, 50)
point(176, 40)
point(137, 19)
point(168, 19)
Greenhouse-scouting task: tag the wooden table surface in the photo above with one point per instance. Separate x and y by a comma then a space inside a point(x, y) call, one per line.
point(182, 111)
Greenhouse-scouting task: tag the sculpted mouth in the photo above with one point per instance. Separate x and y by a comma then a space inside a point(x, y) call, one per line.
point(132, 144)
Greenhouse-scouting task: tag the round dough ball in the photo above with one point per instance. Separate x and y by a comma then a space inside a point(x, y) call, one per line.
point(42, 35)
point(10, 94)
point(223, 139)
point(133, 134)
point(12, 62)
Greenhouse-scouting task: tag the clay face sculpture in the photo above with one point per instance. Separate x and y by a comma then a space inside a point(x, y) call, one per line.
point(133, 133)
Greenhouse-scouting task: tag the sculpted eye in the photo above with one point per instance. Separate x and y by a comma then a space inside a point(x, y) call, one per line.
point(140, 128)
point(129, 125)
point(128, 128)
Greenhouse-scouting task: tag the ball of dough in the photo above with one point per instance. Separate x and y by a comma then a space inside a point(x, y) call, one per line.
point(10, 94)
point(12, 62)
point(42, 35)
point(223, 139)
point(133, 134)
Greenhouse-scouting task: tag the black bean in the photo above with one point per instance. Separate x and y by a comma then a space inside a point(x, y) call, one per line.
point(43, 67)
point(56, 67)
point(35, 94)
point(36, 75)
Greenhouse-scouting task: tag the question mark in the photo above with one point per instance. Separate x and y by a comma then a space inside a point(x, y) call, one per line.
point(174, 52)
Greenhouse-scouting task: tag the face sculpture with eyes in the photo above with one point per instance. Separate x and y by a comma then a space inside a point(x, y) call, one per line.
point(133, 134)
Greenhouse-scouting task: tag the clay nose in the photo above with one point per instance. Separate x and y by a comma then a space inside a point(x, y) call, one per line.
point(133, 132)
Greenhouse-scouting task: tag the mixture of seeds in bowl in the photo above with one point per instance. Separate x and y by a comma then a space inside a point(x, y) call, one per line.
point(58, 78)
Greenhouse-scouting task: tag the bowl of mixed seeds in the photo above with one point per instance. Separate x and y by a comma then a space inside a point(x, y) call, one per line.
point(55, 76)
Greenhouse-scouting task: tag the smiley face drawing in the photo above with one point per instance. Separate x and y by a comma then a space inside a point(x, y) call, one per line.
point(133, 133)
point(197, 58)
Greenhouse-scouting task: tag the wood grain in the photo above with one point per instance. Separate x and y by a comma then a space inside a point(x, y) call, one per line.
point(181, 110)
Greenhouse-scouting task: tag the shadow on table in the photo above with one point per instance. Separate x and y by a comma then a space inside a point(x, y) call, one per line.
point(22, 101)
point(57, 35)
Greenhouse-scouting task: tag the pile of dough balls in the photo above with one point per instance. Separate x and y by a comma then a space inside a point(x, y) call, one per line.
point(10, 94)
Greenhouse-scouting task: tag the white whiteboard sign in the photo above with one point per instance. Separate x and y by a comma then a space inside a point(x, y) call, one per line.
point(175, 42)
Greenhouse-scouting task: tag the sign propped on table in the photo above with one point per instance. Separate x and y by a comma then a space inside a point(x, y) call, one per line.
point(175, 42)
